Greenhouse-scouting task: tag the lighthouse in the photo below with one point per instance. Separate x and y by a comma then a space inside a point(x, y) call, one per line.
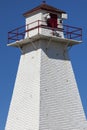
point(45, 95)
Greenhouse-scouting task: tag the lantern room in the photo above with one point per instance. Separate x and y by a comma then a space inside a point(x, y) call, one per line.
point(45, 21)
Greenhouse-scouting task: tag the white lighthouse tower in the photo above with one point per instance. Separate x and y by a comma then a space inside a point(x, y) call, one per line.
point(45, 95)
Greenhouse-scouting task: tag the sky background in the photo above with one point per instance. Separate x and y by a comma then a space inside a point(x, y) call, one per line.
point(11, 17)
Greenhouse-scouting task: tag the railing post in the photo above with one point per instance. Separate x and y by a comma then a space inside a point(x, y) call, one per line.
point(8, 37)
point(70, 36)
point(27, 30)
point(81, 34)
point(67, 31)
point(38, 26)
point(17, 33)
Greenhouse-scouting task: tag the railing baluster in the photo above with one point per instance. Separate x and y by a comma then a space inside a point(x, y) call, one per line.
point(38, 26)
point(17, 33)
point(67, 31)
point(8, 37)
point(81, 34)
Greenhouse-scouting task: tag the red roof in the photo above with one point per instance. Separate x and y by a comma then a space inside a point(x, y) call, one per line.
point(43, 6)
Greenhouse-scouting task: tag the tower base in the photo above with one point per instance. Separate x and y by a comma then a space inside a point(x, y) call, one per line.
point(45, 95)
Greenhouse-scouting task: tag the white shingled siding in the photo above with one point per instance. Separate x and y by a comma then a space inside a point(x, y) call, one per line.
point(24, 109)
point(60, 104)
point(34, 17)
point(33, 24)
point(45, 95)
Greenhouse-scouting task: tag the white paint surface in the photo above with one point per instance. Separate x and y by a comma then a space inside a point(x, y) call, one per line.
point(45, 95)
point(36, 20)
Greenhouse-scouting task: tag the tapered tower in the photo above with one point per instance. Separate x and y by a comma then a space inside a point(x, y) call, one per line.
point(45, 95)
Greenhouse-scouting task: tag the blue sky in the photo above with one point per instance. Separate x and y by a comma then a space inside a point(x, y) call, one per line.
point(11, 17)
